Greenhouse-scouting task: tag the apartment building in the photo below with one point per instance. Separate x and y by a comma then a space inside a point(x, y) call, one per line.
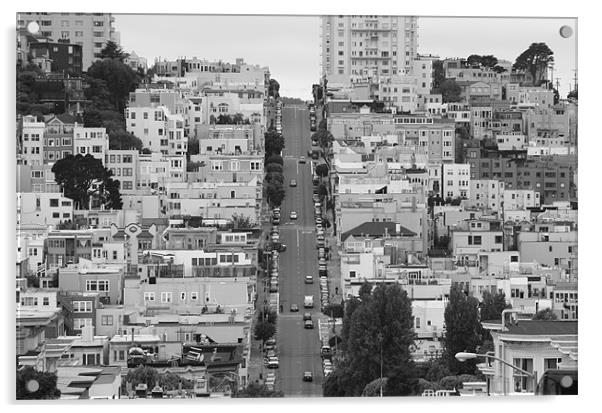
point(520, 199)
point(159, 129)
point(487, 193)
point(529, 95)
point(79, 310)
point(553, 244)
point(156, 170)
point(58, 137)
point(43, 208)
point(228, 168)
point(32, 142)
point(229, 139)
point(455, 180)
point(124, 165)
point(90, 141)
point(474, 236)
point(357, 47)
point(91, 31)
point(57, 57)
point(86, 277)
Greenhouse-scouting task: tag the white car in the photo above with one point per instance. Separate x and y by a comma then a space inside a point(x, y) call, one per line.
point(293, 215)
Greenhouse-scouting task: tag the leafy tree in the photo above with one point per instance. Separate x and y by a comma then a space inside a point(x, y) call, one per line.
point(572, 94)
point(372, 389)
point(170, 381)
point(193, 145)
point(274, 88)
point(143, 374)
point(450, 91)
point(323, 125)
point(455, 382)
point(238, 118)
point(242, 221)
point(492, 305)
point(35, 385)
point(124, 140)
point(350, 306)
point(535, 60)
point(499, 69)
point(258, 390)
point(274, 177)
point(268, 315)
point(436, 369)
point(113, 51)
point(277, 159)
point(75, 176)
point(119, 78)
point(322, 191)
point(338, 382)
point(274, 168)
point(264, 330)
point(322, 170)
point(274, 143)
point(438, 76)
point(275, 191)
point(546, 314)
point(461, 329)
point(382, 321)
point(334, 310)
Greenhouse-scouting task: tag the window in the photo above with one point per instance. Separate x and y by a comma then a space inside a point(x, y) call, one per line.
point(45, 301)
point(417, 322)
point(498, 239)
point(98, 34)
point(194, 295)
point(79, 323)
point(97, 285)
point(149, 296)
point(82, 306)
point(166, 297)
point(106, 320)
point(183, 296)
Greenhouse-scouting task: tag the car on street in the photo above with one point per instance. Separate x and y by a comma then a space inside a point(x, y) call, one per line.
point(273, 363)
point(280, 247)
point(309, 279)
point(293, 182)
point(276, 220)
point(308, 376)
point(273, 288)
point(293, 215)
point(294, 308)
point(306, 316)
point(308, 324)
point(325, 351)
point(302, 159)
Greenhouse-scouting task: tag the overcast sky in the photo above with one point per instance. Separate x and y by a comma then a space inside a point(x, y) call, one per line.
point(290, 45)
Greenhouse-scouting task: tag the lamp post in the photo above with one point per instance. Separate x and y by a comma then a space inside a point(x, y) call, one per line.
point(463, 356)
point(380, 340)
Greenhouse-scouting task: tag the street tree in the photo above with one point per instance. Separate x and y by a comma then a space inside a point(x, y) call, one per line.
point(274, 88)
point(274, 158)
point(264, 330)
point(274, 143)
point(438, 76)
point(274, 168)
point(267, 314)
point(322, 170)
point(258, 390)
point(323, 125)
point(193, 145)
point(462, 329)
point(535, 60)
point(350, 306)
point(36, 385)
point(322, 191)
point(76, 175)
point(275, 192)
point(546, 314)
point(373, 388)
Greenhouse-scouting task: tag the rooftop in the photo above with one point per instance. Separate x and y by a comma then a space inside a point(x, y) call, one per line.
point(543, 327)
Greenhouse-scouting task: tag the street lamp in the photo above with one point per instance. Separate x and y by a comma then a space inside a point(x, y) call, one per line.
point(463, 356)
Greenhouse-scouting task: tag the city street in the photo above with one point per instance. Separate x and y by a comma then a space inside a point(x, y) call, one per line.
point(299, 348)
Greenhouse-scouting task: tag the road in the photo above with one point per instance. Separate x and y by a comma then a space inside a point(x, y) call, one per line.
point(299, 348)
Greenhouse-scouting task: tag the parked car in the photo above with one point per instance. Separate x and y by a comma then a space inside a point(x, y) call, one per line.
point(309, 279)
point(302, 159)
point(306, 316)
point(293, 215)
point(308, 376)
point(293, 182)
point(309, 324)
point(294, 308)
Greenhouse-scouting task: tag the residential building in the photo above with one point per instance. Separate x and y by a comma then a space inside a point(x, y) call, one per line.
point(474, 236)
point(79, 310)
point(58, 137)
point(32, 142)
point(552, 244)
point(63, 57)
point(87, 277)
point(455, 180)
point(43, 208)
point(90, 141)
point(487, 193)
point(124, 165)
point(159, 129)
point(90, 31)
point(358, 47)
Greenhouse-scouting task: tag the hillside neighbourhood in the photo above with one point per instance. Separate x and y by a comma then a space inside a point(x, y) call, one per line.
point(184, 231)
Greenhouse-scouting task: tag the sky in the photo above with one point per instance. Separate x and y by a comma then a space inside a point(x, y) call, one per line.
point(290, 45)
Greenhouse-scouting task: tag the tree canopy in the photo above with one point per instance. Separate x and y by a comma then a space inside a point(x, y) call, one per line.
point(35, 385)
point(76, 175)
point(274, 143)
point(322, 170)
point(242, 221)
point(492, 305)
point(118, 78)
point(264, 330)
point(274, 88)
point(462, 328)
point(380, 321)
point(535, 60)
point(113, 51)
point(450, 91)
point(546, 314)
point(258, 390)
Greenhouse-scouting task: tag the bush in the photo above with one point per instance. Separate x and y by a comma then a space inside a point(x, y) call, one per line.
point(427, 385)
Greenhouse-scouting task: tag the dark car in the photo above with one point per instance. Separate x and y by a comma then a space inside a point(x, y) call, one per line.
point(308, 376)
point(306, 316)
point(294, 308)
point(308, 324)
